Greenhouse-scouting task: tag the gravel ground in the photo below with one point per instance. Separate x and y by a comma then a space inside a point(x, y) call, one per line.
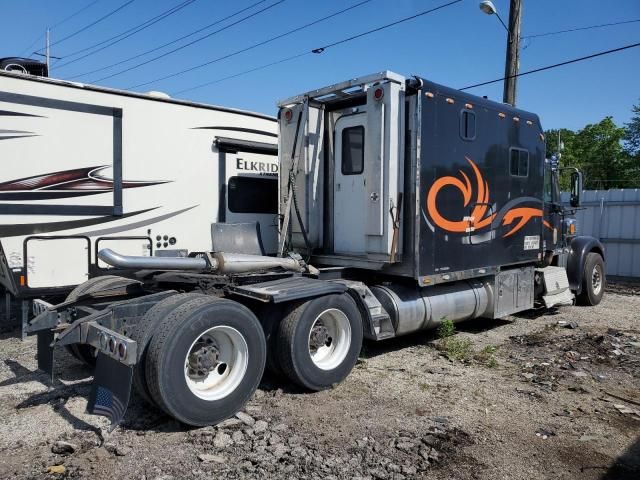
point(527, 397)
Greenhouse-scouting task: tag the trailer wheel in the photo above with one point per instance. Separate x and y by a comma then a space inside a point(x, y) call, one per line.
point(594, 280)
point(319, 341)
point(143, 333)
point(86, 353)
point(205, 360)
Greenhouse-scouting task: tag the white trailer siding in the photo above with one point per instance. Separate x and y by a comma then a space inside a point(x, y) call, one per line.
point(92, 162)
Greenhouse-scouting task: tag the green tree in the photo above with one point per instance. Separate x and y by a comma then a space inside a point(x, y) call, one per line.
point(598, 151)
point(632, 147)
point(632, 134)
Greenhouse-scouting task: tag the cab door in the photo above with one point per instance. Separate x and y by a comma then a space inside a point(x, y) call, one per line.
point(350, 185)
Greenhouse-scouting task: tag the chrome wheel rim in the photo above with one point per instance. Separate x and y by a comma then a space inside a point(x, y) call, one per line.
point(596, 280)
point(329, 339)
point(216, 363)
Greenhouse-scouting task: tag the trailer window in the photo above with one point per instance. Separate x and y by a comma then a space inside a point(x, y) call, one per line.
point(253, 195)
point(519, 162)
point(467, 125)
point(353, 150)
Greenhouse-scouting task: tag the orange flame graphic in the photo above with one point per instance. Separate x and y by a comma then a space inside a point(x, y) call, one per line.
point(477, 219)
point(479, 210)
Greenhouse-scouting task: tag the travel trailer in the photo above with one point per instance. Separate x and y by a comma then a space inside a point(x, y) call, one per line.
point(86, 168)
point(402, 203)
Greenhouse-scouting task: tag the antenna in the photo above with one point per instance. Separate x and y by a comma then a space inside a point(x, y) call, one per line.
point(47, 49)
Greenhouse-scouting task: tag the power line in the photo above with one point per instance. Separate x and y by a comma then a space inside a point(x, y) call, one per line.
point(581, 28)
point(168, 43)
point(64, 20)
point(320, 49)
point(124, 35)
point(95, 22)
point(383, 27)
point(170, 52)
point(251, 47)
point(555, 65)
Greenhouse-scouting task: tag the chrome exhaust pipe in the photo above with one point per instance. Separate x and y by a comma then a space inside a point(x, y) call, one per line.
point(230, 263)
point(152, 263)
point(223, 263)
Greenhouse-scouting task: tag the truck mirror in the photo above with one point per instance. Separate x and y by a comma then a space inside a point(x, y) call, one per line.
point(576, 189)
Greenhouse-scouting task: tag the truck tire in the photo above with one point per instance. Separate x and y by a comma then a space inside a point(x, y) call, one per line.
point(86, 353)
point(143, 333)
point(319, 341)
point(205, 360)
point(270, 316)
point(593, 280)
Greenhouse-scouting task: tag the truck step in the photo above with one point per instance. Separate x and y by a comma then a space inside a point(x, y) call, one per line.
point(556, 286)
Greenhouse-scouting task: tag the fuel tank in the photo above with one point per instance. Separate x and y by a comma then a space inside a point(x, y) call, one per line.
point(413, 309)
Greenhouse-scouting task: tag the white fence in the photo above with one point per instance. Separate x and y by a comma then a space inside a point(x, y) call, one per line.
point(613, 217)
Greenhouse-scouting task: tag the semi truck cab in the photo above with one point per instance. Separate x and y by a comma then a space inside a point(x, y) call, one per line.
point(402, 203)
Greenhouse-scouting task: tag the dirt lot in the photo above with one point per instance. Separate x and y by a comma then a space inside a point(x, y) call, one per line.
point(523, 398)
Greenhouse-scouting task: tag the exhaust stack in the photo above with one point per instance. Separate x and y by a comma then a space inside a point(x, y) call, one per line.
point(219, 262)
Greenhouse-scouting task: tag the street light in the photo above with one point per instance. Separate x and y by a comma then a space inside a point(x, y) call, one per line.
point(513, 45)
point(489, 8)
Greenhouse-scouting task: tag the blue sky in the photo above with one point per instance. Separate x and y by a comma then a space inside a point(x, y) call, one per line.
point(456, 46)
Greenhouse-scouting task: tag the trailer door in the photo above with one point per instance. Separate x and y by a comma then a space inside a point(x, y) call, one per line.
point(350, 188)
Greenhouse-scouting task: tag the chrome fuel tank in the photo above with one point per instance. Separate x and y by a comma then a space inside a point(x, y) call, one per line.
point(413, 309)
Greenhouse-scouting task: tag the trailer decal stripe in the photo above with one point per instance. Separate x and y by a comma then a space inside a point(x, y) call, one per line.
point(38, 228)
point(142, 223)
point(239, 129)
point(66, 183)
point(7, 113)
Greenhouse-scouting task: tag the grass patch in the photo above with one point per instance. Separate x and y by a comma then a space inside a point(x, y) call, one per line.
point(486, 356)
point(455, 349)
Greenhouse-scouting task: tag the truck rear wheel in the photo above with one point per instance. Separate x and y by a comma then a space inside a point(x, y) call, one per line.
point(593, 280)
point(144, 331)
point(319, 341)
point(205, 360)
point(86, 353)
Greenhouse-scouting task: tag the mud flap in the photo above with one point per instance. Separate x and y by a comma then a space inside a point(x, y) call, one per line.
point(45, 352)
point(110, 390)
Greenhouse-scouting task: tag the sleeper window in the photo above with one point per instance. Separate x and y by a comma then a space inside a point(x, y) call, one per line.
point(519, 162)
point(467, 125)
point(253, 195)
point(353, 150)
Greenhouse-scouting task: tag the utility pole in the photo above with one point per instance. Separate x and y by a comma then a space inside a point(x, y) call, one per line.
point(47, 52)
point(512, 62)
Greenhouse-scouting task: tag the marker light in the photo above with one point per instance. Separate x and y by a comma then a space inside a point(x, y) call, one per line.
point(378, 93)
point(288, 115)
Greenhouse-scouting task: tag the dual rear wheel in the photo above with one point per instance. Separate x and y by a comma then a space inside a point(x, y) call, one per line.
point(201, 358)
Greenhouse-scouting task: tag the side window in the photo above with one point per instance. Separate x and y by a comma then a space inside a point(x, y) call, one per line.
point(252, 195)
point(353, 150)
point(519, 162)
point(468, 125)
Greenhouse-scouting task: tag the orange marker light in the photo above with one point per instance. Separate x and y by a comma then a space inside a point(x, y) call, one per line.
point(469, 106)
point(22, 280)
point(450, 101)
point(501, 115)
point(428, 95)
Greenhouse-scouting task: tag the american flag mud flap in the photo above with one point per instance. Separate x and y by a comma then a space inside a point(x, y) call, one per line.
point(111, 389)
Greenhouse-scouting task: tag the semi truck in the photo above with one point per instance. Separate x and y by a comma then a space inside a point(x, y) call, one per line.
point(87, 167)
point(402, 203)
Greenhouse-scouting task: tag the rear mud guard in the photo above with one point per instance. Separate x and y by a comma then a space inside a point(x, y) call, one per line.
point(111, 389)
